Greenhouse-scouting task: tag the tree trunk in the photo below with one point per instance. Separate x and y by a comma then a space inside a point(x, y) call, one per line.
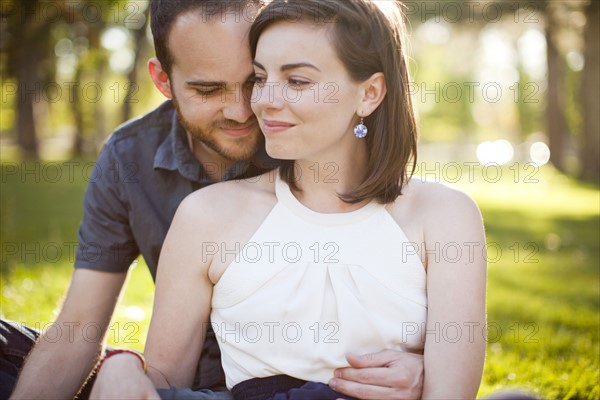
point(555, 118)
point(100, 133)
point(590, 97)
point(29, 90)
point(26, 95)
point(77, 113)
point(132, 85)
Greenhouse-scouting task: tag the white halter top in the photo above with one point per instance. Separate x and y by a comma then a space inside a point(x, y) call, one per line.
point(309, 287)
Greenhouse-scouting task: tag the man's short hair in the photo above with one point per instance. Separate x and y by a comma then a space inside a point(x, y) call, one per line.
point(164, 13)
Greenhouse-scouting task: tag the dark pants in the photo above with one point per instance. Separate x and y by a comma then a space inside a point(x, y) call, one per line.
point(16, 341)
point(283, 387)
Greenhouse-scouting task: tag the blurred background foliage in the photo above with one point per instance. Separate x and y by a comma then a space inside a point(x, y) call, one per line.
point(506, 94)
point(520, 71)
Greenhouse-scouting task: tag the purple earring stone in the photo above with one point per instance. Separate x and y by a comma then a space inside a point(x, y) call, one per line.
point(360, 130)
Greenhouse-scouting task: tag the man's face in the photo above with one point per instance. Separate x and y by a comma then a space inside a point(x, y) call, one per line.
point(210, 83)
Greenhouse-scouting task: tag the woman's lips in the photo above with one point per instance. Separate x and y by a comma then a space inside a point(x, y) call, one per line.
point(270, 126)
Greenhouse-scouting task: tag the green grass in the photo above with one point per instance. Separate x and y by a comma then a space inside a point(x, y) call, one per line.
point(543, 289)
point(40, 211)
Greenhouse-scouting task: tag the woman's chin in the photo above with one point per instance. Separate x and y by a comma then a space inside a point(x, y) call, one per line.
point(279, 153)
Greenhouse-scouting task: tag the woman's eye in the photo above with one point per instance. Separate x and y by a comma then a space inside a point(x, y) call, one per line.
point(298, 83)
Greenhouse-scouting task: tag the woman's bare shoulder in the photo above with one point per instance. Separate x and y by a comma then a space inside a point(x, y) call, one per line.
point(225, 200)
point(431, 199)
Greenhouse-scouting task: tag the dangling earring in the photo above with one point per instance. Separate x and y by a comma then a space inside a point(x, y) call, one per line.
point(360, 130)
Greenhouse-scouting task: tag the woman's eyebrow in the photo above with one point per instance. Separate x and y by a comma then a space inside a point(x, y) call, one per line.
point(298, 65)
point(290, 66)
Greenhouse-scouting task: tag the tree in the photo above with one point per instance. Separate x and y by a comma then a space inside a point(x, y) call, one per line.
point(590, 98)
point(31, 31)
point(28, 51)
point(138, 30)
point(556, 122)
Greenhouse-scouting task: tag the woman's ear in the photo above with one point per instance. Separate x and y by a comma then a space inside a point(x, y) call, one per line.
point(159, 77)
point(373, 91)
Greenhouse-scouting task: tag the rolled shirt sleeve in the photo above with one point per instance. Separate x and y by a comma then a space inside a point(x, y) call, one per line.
point(106, 242)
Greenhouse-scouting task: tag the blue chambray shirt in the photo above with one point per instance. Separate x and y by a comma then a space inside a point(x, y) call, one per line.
point(144, 171)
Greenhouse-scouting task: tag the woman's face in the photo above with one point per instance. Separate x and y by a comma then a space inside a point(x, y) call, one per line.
point(305, 101)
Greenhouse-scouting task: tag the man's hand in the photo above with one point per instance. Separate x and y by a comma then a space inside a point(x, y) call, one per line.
point(122, 377)
point(388, 374)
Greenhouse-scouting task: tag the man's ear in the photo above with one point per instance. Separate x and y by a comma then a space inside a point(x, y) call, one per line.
point(373, 91)
point(159, 77)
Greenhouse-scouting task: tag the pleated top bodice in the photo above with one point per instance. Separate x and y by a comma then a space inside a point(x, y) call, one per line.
point(309, 287)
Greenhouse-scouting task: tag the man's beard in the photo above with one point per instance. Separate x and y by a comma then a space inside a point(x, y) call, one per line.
point(243, 149)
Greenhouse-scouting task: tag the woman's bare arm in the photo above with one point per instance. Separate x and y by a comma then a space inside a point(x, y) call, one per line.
point(456, 288)
point(181, 311)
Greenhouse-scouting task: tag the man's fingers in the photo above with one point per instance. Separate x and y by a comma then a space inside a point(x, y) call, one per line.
point(388, 374)
point(379, 359)
point(361, 391)
point(371, 376)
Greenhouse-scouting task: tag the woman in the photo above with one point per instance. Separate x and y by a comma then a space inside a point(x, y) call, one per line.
point(339, 250)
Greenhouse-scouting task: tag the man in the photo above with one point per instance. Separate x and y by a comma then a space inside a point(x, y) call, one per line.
point(205, 133)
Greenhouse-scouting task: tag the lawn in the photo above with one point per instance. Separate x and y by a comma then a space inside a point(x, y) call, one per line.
point(543, 232)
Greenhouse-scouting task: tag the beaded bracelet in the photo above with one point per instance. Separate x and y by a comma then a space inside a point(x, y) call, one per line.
point(119, 351)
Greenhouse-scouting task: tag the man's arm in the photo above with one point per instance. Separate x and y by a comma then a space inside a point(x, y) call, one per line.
point(388, 374)
point(58, 367)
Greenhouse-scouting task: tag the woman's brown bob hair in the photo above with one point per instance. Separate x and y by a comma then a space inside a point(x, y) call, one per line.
point(367, 36)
